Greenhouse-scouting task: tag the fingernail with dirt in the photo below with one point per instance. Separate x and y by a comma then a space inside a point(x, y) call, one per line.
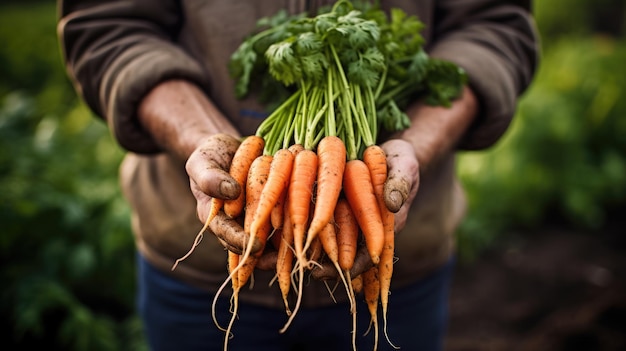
point(394, 200)
point(229, 189)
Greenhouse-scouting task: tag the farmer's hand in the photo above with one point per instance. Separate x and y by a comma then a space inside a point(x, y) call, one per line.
point(179, 116)
point(231, 235)
point(403, 179)
point(207, 168)
point(325, 270)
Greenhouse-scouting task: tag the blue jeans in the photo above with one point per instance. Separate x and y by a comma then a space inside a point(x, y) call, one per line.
point(177, 316)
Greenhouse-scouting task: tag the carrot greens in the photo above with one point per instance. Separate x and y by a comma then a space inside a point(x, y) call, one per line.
point(349, 73)
point(333, 82)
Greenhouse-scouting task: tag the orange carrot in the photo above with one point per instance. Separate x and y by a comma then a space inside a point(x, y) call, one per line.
point(277, 217)
point(256, 178)
point(328, 238)
point(331, 153)
point(347, 236)
point(371, 290)
point(385, 269)
point(303, 177)
point(376, 160)
point(216, 206)
point(295, 148)
point(248, 265)
point(284, 260)
point(249, 149)
point(277, 181)
point(233, 262)
point(357, 186)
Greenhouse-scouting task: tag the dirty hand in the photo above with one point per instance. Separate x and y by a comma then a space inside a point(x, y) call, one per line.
point(403, 179)
point(207, 168)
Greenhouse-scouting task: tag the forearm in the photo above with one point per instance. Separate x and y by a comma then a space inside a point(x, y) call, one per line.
point(436, 130)
point(116, 52)
point(179, 117)
point(497, 45)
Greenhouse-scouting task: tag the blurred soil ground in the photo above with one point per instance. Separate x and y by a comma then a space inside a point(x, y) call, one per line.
point(553, 290)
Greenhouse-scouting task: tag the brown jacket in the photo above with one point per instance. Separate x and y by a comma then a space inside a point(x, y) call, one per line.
point(116, 51)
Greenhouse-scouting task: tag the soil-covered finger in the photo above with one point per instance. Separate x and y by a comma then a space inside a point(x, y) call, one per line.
point(203, 206)
point(208, 167)
point(362, 262)
point(327, 271)
point(221, 148)
point(324, 271)
point(268, 259)
point(396, 191)
point(229, 247)
point(230, 231)
point(403, 173)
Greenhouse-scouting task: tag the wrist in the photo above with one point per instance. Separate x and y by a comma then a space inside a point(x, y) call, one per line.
point(436, 130)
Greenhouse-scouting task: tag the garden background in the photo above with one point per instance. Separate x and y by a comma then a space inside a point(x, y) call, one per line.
point(541, 252)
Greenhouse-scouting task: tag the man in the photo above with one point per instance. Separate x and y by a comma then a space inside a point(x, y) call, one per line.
point(155, 71)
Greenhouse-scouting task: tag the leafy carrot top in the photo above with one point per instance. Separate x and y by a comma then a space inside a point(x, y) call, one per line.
point(345, 72)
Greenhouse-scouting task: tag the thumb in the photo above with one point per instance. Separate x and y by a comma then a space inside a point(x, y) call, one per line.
point(208, 164)
point(403, 173)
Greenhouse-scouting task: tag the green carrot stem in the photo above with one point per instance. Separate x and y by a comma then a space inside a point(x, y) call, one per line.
point(331, 125)
point(404, 88)
point(288, 136)
point(299, 117)
point(342, 74)
point(266, 125)
point(381, 84)
point(350, 140)
point(371, 112)
point(316, 112)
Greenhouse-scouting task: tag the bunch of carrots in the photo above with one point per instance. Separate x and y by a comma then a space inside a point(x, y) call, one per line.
point(279, 202)
point(312, 175)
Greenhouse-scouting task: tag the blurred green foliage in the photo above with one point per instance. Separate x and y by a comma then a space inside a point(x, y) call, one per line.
point(563, 159)
point(29, 56)
point(66, 248)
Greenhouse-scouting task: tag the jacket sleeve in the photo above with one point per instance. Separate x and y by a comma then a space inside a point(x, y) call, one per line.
point(116, 51)
point(495, 41)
